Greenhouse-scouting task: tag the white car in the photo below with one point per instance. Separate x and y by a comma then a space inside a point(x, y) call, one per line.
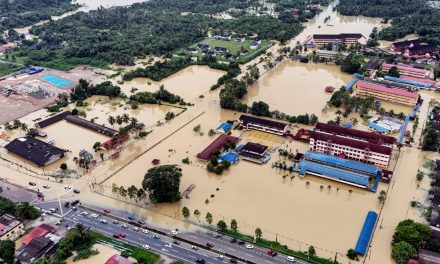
point(174, 232)
point(146, 246)
point(195, 247)
point(135, 229)
point(168, 245)
point(69, 228)
point(145, 231)
point(220, 257)
point(85, 213)
point(124, 226)
point(94, 215)
point(52, 210)
point(291, 259)
point(58, 223)
point(103, 221)
point(249, 246)
point(67, 187)
point(46, 186)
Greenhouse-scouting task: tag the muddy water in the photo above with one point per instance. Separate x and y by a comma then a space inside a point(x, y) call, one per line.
point(105, 252)
point(297, 88)
point(189, 83)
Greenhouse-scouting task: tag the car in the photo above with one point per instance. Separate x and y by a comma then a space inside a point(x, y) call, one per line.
point(116, 235)
point(156, 237)
point(32, 184)
point(67, 187)
point(291, 259)
point(46, 186)
point(195, 247)
point(107, 211)
point(94, 215)
point(58, 223)
point(234, 240)
point(174, 232)
point(141, 222)
point(69, 228)
point(168, 245)
point(135, 229)
point(272, 253)
point(124, 226)
point(249, 246)
point(145, 231)
point(85, 213)
point(146, 246)
point(66, 204)
point(74, 208)
point(241, 242)
point(217, 235)
point(103, 221)
point(43, 214)
point(209, 245)
point(75, 202)
point(115, 222)
point(220, 257)
point(52, 210)
point(130, 217)
point(200, 261)
point(76, 191)
point(233, 261)
point(176, 242)
point(121, 235)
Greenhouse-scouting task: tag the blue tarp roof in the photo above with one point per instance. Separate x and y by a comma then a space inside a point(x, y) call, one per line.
point(345, 163)
point(229, 156)
point(366, 233)
point(337, 174)
point(411, 82)
point(378, 128)
point(350, 84)
point(225, 127)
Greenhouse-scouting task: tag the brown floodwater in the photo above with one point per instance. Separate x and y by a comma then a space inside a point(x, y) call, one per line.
point(105, 252)
point(189, 83)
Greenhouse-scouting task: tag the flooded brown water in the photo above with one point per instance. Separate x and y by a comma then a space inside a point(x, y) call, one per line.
point(105, 252)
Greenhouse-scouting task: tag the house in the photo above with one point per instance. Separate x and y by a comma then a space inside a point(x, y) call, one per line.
point(203, 47)
point(372, 65)
point(118, 259)
point(225, 127)
point(192, 50)
point(217, 144)
point(38, 231)
point(384, 93)
point(10, 227)
point(34, 150)
point(240, 38)
point(244, 52)
point(225, 37)
point(38, 247)
point(407, 70)
point(106, 131)
point(254, 45)
point(221, 50)
point(254, 152)
point(400, 46)
point(343, 38)
point(257, 39)
point(261, 124)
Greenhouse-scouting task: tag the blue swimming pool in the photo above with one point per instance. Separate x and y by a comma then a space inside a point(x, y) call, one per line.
point(57, 81)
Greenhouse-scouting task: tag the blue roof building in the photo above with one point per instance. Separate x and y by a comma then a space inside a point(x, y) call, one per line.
point(366, 233)
point(406, 81)
point(224, 128)
point(378, 128)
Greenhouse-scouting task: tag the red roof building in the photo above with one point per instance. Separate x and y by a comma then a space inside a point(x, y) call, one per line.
point(329, 89)
point(407, 70)
point(117, 259)
point(38, 231)
point(218, 143)
point(383, 93)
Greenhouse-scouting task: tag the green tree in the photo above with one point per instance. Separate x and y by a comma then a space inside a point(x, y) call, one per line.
point(351, 254)
point(394, 72)
point(115, 188)
point(141, 194)
point(402, 252)
point(258, 233)
point(222, 225)
point(63, 166)
point(27, 211)
point(197, 213)
point(234, 225)
point(185, 212)
point(132, 192)
point(208, 218)
point(7, 251)
point(382, 196)
point(260, 108)
point(412, 233)
point(122, 191)
point(311, 251)
point(163, 183)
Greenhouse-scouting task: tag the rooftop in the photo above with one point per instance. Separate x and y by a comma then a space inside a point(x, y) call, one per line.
point(90, 125)
point(36, 248)
point(406, 43)
point(351, 142)
point(384, 89)
point(219, 142)
point(246, 119)
point(7, 223)
point(117, 259)
point(53, 119)
point(405, 67)
point(38, 231)
point(355, 133)
point(37, 151)
point(254, 148)
point(337, 36)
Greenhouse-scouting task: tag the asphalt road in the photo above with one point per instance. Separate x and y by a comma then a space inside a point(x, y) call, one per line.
point(164, 245)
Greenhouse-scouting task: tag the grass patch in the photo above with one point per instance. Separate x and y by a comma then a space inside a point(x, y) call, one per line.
point(237, 235)
point(142, 256)
point(8, 68)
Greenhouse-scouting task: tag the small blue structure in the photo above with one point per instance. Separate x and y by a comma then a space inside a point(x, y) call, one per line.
point(358, 75)
point(350, 84)
point(405, 124)
point(406, 81)
point(366, 233)
point(225, 127)
point(379, 129)
point(348, 124)
point(57, 81)
point(378, 104)
point(231, 157)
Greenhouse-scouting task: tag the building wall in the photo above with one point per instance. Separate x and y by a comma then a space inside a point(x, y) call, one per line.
point(378, 159)
point(406, 72)
point(14, 233)
point(349, 41)
point(251, 126)
point(394, 98)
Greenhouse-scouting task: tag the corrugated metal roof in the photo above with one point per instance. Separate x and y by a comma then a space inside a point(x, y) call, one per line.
point(381, 88)
point(366, 233)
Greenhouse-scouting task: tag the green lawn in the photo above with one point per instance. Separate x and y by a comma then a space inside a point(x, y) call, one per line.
point(142, 256)
point(8, 68)
point(233, 46)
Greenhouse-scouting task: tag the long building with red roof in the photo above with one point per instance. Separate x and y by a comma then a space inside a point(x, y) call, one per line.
point(407, 70)
point(38, 231)
point(384, 93)
point(217, 144)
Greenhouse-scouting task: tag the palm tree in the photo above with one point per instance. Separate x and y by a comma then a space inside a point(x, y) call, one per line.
point(111, 120)
point(125, 118)
point(81, 231)
point(114, 188)
point(208, 218)
point(141, 194)
point(197, 214)
point(24, 127)
point(16, 123)
point(258, 233)
point(119, 120)
point(134, 121)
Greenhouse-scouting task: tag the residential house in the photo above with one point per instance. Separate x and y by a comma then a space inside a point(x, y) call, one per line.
point(10, 227)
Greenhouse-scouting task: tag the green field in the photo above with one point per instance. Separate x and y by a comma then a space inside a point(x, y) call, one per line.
point(233, 48)
point(8, 68)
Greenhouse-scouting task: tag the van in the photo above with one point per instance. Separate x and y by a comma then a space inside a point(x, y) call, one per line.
point(291, 259)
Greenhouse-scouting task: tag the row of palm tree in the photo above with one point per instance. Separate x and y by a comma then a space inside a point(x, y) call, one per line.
point(131, 192)
point(121, 119)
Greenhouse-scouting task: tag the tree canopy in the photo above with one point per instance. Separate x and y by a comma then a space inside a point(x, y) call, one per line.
point(162, 183)
point(7, 251)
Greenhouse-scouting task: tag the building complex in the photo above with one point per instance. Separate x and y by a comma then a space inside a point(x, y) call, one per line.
point(264, 125)
point(407, 70)
point(343, 38)
point(383, 93)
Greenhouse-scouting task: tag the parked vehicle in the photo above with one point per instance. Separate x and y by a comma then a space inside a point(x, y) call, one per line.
point(46, 186)
point(32, 184)
point(74, 203)
point(76, 191)
point(200, 261)
point(291, 259)
point(121, 235)
point(107, 211)
point(146, 247)
point(209, 245)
